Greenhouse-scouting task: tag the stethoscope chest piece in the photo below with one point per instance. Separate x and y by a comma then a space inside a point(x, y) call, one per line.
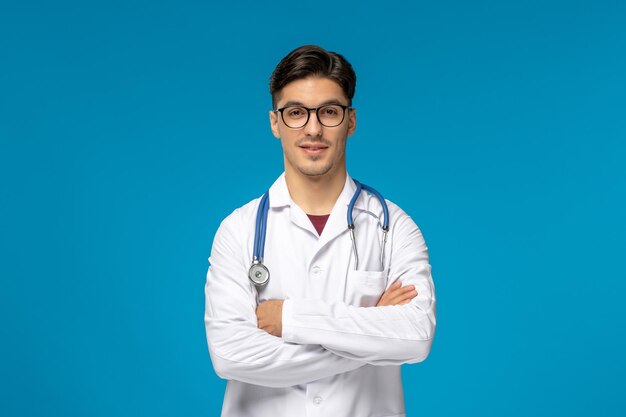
point(259, 274)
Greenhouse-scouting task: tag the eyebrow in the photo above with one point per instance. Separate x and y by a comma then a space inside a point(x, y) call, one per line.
point(300, 104)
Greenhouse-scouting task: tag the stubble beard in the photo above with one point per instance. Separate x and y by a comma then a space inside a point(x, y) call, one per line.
point(313, 171)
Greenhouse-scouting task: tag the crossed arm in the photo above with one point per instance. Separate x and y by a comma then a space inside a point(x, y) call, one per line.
point(270, 313)
point(282, 343)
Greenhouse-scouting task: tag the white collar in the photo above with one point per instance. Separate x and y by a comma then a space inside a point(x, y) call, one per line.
point(280, 197)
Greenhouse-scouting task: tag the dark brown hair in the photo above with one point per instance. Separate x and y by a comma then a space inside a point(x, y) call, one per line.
point(311, 60)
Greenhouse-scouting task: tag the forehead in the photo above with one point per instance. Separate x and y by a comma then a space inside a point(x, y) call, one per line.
point(311, 92)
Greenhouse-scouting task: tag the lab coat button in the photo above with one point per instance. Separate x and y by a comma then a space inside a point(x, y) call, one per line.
point(316, 270)
point(317, 400)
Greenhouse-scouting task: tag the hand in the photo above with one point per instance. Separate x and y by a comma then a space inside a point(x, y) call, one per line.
point(270, 317)
point(397, 295)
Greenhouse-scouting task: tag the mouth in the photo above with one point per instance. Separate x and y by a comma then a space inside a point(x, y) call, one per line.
point(313, 149)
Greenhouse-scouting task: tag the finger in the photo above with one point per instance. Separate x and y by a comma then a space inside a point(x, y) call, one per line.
point(394, 286)
point(384, 299)
point(393, 291)
point(387, 299)
point(410, 294)
point(404, 297)
point(389, 291)
point(401, 291)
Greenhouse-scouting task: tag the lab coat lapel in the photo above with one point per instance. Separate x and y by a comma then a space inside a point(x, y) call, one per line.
point(337, 223)
point(279, 198)
point(300, 219)
point(335, 226)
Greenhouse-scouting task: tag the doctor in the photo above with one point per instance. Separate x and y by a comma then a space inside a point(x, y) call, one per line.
point(326, 334)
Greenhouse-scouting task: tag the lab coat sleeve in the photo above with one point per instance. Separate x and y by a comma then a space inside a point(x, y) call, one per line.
point(388, 335)
point(241, 351)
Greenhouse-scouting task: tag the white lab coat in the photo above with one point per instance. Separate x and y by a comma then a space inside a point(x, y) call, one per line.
point(338, 355)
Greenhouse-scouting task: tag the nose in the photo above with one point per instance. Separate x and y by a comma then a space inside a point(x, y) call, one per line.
point(313, 126)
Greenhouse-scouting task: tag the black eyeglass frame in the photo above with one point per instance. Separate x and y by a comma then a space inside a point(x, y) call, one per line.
point(314, 109)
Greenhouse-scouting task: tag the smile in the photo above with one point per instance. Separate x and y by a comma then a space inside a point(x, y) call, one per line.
point(313, 150)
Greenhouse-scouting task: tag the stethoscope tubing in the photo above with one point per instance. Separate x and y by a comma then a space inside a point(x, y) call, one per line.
point(355, 197)
point(261, 227)
point(260, 231)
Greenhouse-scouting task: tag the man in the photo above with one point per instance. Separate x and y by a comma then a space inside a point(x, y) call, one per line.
point(326, 335)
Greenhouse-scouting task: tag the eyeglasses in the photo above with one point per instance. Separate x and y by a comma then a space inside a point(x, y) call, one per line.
point(296, 117)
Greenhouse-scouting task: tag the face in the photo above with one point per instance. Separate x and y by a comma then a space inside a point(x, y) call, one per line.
point(313, 150)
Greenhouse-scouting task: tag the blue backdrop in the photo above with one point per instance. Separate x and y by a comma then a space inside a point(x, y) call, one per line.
point(128, 131)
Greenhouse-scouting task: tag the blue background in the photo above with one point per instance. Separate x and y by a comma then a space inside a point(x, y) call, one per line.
point(128, 131)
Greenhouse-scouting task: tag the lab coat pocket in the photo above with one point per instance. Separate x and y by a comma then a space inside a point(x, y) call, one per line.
point(364, 288)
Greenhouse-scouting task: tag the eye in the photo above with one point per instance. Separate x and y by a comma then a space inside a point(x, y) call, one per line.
point(330, 111)
point(295, 112)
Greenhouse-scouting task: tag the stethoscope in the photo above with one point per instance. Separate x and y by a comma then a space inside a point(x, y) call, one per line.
point(258, 272)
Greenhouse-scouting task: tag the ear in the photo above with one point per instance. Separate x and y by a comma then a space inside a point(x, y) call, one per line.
point(351, 121)
point(274, 124)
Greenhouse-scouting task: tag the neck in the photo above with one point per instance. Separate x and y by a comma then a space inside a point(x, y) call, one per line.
point(315, 195)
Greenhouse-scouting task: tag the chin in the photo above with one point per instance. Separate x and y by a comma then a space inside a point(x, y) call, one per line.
point(315, 171)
